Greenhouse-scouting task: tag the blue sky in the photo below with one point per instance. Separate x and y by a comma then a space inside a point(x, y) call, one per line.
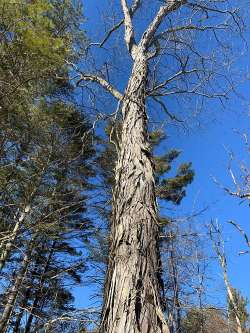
point(205, 143)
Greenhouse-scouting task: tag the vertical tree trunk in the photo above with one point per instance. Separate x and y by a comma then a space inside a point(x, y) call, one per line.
point(232, 300)
point(40, 290)
point(132, 297)
point(13, 292)
point(176, 314)
point(21, 312)
point(6, 248)
point(219, 248)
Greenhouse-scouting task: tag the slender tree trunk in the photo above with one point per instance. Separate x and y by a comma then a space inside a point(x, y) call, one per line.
point(132, 297)
point(232, 300)
point(32, 312)
point(30, 292)
point(19, 316)
point(219, 248)
point(39, 291)
point(6, 249)
point(175, 278)
point(13, 292)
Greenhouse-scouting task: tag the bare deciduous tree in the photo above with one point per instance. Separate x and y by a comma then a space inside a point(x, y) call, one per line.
point(218, 243)
point(133, 289)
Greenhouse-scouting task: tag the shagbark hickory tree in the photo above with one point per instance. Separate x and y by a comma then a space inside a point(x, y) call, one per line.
point(168, 58)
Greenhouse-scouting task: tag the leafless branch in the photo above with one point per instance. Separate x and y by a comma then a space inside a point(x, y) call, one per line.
point(243, 233)
point(154, 25)
point(129, 29)
point(132, 11)
point(97, 79)
point(218, 244)
point(171, 116)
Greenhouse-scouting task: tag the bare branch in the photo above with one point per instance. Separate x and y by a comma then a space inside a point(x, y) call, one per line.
point(165, 34)
point(162, 13)
point(232, 193)
point(114, 28)
point(195, 27)
point(192, 92)
point(171, 116)
point(97, 79)
point(129, 29)
point(218, 244)
point(173, 77)
point(243, 233)
point(132, 11)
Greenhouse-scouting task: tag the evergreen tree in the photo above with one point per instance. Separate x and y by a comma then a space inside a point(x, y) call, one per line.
point(242, 312)
point(45, 164)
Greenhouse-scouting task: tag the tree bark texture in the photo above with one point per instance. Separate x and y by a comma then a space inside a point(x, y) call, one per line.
point(6, 248)
point(39, 292)
point(133, 289)
point(13, 292)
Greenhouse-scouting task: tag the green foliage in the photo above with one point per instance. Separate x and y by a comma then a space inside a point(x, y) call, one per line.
point(167, 188)
point(29, 44)
point(37, 37)
point(242, 312)
point(45, 154)
point(173, 189)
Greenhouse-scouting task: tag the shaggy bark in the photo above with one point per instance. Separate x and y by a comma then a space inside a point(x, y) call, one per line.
point(133, 286)
point(133, 290)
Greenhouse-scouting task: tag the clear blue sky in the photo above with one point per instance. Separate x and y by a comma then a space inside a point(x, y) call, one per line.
point(205, 146)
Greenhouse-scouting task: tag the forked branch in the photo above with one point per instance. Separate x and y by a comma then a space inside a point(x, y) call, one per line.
point(132, 11)
point(129, 29)
point(149, 34)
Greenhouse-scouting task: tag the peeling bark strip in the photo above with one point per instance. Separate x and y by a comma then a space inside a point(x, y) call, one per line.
point(133, 290)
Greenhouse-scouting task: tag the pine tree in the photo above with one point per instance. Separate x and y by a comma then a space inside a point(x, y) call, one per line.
point(45, 164)
point(242, 312)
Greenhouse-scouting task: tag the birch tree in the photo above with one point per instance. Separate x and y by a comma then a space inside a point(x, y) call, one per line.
point(133, 289)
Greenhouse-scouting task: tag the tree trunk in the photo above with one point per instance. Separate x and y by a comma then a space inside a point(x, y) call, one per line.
point(6, 249)
point(40, 290)
point(20, 314)
point(232, 300)
point(13, 293)
point(132, 296)
point(176, 314)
